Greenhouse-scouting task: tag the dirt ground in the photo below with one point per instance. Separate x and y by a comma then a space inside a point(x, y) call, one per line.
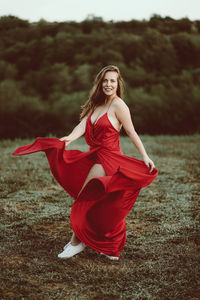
point(162, 254)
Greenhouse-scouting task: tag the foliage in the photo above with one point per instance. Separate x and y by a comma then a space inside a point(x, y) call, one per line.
point(43, 63)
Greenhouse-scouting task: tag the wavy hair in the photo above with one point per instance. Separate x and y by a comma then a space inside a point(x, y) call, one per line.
point(97, 97)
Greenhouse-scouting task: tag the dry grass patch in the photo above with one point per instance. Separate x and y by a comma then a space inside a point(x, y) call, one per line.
point(160, 260)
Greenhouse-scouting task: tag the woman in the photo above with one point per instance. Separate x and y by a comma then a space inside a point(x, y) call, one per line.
point(104, 182)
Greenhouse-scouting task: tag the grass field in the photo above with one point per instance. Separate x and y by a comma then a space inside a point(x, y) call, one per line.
point(160, 260)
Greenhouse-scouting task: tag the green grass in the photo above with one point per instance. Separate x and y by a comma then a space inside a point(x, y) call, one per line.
point(161, 257)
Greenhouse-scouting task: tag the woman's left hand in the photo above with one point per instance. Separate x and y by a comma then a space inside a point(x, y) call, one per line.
point(149, 163)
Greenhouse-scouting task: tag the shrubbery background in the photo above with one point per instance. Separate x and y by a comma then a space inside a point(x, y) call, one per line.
point(47, 70)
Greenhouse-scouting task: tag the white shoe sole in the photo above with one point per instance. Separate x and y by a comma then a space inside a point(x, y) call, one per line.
point(110, 257)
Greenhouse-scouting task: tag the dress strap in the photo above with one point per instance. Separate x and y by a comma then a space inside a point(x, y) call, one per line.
point(109, 105)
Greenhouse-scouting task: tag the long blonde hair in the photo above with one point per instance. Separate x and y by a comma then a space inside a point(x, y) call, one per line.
point(97, 97)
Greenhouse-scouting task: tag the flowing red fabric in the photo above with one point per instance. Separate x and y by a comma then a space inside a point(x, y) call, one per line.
point(99, 211)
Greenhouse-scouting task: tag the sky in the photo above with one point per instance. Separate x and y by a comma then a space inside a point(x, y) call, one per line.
point(116, 10)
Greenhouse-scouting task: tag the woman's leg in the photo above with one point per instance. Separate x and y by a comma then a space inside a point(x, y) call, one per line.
point(97, 170)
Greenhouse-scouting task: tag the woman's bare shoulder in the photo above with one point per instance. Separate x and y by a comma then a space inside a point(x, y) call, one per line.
point(119, 103)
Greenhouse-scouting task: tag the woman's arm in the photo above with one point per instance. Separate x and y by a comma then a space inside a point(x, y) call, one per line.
point(123, 115)
point(77, 132)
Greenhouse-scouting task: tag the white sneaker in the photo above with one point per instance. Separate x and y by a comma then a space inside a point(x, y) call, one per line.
point(71, 250)
point(110, 257)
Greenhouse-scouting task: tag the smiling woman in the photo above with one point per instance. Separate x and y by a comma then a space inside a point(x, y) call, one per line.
point(109, 84)
point(104, 182)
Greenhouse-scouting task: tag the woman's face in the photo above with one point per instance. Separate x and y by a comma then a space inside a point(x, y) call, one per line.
point(110, 83)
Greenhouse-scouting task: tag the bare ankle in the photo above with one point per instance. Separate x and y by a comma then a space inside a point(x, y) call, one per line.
point(74, 240)
point(74, 243)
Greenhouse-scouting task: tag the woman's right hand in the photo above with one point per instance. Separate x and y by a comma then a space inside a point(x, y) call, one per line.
point(77, 132)
point(66, 140)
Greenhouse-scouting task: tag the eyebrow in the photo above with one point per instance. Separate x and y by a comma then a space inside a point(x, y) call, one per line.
point(110, 79)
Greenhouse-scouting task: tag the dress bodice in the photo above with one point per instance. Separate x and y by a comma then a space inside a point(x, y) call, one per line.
point(102, 134)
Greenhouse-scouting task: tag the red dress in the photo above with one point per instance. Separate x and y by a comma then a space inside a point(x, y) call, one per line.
point(98, 213)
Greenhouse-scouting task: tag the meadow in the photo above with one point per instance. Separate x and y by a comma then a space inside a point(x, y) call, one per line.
point(160, 260)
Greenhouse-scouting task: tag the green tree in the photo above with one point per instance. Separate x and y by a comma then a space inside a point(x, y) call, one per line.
point(159, 55)
point(7, 71)
point(187, 52)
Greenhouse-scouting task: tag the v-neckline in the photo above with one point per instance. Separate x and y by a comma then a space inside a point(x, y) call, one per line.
point(106, 113)
point(95, 123)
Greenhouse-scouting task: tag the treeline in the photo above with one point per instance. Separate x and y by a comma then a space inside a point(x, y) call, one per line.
point(47, 70)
